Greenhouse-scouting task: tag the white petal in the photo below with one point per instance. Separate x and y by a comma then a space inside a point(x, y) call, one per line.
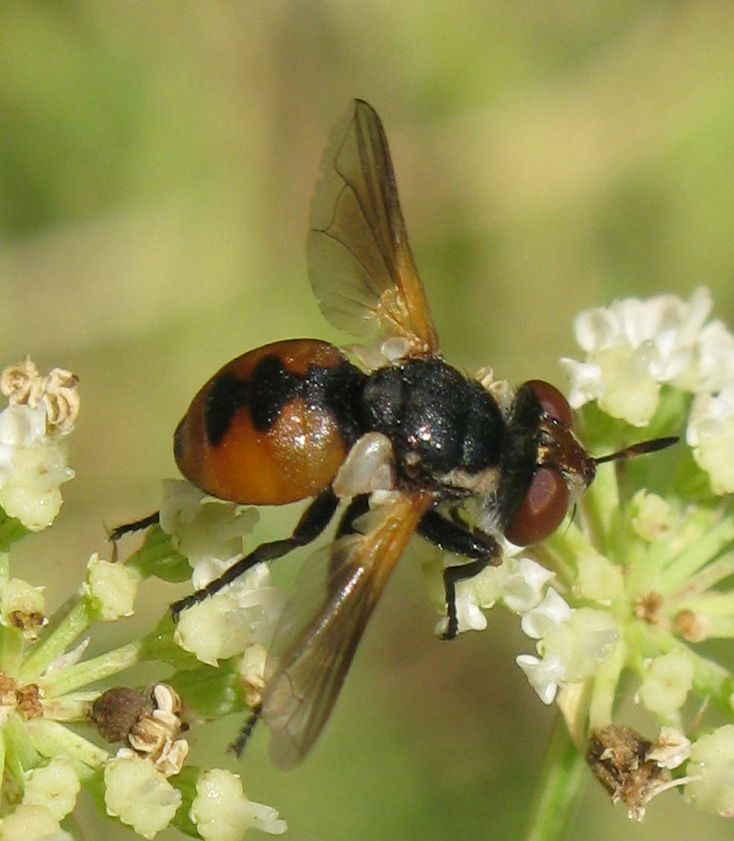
point(543, 675)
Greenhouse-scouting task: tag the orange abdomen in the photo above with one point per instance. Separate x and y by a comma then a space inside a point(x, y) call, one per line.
point(272, 426)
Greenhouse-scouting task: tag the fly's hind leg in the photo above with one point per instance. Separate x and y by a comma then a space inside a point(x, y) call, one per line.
point(450, 536)
point(358, 506)
point(313, 521)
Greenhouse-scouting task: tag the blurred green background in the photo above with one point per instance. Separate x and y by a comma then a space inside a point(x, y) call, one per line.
point(156, 166)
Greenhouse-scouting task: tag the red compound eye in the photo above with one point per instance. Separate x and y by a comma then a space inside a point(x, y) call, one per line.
point(542, 509)
point(552, 401)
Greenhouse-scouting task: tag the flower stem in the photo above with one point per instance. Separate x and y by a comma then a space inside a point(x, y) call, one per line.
point(57, 640)
point(90, 671)
point(559, 787)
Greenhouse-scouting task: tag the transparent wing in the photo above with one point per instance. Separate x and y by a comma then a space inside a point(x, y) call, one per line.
point(322, 625)
point(360, 263)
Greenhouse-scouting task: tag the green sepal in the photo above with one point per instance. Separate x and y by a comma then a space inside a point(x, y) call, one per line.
point(211, 691)
point(185, 782)
point(159, 558)
point(94, 786)
point(160, 645)
point(20, 755)
point(11, 531)
point(602, 433)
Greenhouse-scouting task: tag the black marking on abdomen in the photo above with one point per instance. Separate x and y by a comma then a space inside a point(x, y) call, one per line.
point(332, 389)
point(225, 397)
point(271, 387)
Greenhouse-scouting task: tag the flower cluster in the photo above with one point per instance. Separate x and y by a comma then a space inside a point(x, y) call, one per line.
point(33, 428)
point(57, 724)
point(626, 594)
point(635, 350)
point(643, 573)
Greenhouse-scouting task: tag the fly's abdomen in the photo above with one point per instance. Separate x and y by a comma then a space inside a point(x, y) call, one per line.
point(272, 426)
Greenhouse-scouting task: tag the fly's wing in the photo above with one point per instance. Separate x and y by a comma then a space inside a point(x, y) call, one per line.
point(320, 628)
point(360, 263)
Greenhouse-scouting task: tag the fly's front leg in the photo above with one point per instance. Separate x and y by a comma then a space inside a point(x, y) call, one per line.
point(450, 536)
point(313, 521)
point(138, 525)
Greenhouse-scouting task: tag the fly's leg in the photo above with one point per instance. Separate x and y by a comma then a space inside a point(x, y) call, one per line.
point(138, 525)
point(358, 506)
point(313, 521)
point(481, 548)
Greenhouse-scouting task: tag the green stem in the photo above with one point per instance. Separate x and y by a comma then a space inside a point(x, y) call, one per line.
point(11, 650)
point(90, 671)
point(597, 508)
point(57, 641)
point(50, 739)
point(682, 568)
point(11, 530)
point(2, 755)
point(559, 787)
point(606, 683)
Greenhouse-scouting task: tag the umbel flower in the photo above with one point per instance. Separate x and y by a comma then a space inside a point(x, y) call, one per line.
point(636, 587)
point(60, 729)
point(625, 600)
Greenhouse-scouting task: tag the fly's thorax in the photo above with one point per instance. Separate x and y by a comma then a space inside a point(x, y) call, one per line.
point(447, 432)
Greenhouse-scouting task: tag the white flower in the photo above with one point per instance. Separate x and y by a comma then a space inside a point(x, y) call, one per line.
point(111, 588)
point(222, 812)
point(32, 452)
point(468, 612)
point(711, 434)
point(31, 822)
point(222, 625)
point(154, 735)
point(543, 675)
point(252, 592)
point(667, 681)
point(203, 527)
point(715, 357)
point(584, 641)
point(598, 579)
point(711, 772)
point(572, 644)
point(23, 607)
point(633, 346)
point(651, 517)
point(517, 582)
point(54, 786)
point(20, 426)
point(623, 386)
point(524, 583)
point(214, 629)
point(139, 795)
point(32, 466)
point(549, 614)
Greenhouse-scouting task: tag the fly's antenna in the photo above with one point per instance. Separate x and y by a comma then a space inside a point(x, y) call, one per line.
point(640, 449)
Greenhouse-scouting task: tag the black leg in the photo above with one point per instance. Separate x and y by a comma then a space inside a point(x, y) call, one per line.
point(138, 525)
point(242, 737)
point(313, 521)
point(358, 506)
point(449, 535)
